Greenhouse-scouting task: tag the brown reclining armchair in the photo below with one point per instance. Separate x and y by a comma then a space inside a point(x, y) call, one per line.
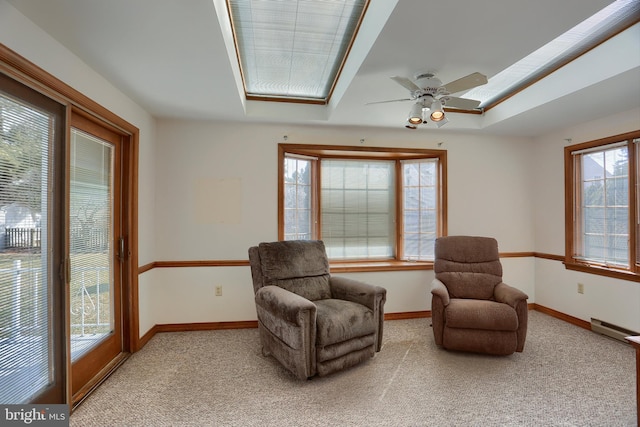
point(472, 309)
point(311, 322)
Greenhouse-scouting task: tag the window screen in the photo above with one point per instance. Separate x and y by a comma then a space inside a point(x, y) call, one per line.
point(420, 208)
point(602, 207)
point(298, 198)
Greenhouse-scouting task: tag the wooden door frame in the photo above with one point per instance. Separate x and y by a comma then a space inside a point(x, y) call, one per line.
point(84, 380)
point(28, 73)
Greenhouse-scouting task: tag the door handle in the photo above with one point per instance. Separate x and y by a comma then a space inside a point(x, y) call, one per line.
point(121, 253)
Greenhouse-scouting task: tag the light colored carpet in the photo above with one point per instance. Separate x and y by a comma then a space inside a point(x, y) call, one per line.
point(566, 376)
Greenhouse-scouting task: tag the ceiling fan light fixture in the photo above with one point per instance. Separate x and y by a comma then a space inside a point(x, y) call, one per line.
point(415, 116)
point(437, 114)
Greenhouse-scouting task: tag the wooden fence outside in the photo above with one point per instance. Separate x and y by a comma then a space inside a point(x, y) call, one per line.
point(81, 240)
point(23, 237)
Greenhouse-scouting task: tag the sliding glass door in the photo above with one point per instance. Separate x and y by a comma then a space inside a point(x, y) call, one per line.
point(32, 339)
point(62, 249)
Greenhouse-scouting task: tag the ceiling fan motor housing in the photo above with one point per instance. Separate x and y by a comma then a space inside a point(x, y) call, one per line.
point(428, 81)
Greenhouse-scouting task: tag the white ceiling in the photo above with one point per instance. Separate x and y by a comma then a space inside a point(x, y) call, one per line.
point(173, 58)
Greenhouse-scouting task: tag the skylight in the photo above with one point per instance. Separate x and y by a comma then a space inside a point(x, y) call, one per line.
point(614, 18)
point(293, 49)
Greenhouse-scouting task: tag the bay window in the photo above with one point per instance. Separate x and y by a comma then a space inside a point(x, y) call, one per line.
point(366, 204)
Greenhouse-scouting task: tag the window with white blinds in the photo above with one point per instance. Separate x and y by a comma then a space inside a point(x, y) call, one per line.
point(26, 361)
point(365, 203)
point(358, 208)
point(293, 49)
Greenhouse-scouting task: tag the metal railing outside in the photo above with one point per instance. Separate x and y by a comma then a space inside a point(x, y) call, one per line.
point(87, 308)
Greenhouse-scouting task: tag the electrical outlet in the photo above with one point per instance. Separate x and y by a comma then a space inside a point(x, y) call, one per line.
point(219, 290)
point(580, 288)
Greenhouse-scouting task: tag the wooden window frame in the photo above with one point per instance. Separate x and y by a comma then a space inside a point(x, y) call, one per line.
point(367, 153)
point(572, 199)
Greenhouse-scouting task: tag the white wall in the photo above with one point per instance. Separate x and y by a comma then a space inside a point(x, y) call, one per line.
point(508, 188)
point(611, 300)
point(22, 36)
point(487, 188)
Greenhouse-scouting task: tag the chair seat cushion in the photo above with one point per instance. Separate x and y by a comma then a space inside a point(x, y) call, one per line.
point(340, 320)
point(480, 314)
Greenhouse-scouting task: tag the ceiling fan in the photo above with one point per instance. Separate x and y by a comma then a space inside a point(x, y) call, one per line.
point(431, 96)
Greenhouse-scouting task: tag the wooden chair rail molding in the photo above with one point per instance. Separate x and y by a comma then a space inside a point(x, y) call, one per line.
point(336, 267)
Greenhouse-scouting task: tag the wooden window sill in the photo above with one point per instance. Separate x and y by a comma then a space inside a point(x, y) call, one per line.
point(602, 271)
point(387, 265)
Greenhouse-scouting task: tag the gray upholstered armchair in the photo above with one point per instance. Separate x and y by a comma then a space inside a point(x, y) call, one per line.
point(312, 322)
point(471, 308)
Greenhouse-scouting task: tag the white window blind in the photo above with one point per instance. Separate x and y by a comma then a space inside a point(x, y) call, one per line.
point(358, 208)
point(293, 48)
point(26, 365)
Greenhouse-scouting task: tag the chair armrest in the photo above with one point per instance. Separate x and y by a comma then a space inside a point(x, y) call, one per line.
point(438, 289)
point(508, 294)
point(355, 291)
point(285, 305)
point(372, 297)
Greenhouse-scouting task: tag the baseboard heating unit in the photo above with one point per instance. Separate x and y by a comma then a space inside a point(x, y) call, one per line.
point(610, 330)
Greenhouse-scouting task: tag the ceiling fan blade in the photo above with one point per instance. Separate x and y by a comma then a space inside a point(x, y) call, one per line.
point(392, 100)
point(466, 83)
point(405, 82)
point(462, 103)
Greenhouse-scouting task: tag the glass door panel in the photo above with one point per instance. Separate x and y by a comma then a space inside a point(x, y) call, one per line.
point(30, 328)
point(91, 249)
point(95, 269)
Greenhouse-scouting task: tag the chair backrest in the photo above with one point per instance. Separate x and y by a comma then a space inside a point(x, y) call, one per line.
point(468, 266)
point(299, 266)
